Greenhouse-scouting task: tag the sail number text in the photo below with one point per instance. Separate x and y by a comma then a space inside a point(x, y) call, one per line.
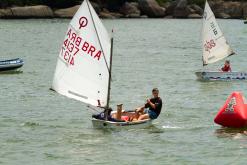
point(209, 45)
point(74, 44)
point(214, 28)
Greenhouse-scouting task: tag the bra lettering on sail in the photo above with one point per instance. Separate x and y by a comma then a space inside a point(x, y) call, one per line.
point(74, 44)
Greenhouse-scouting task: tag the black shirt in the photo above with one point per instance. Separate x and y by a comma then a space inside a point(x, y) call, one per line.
point(158, 105)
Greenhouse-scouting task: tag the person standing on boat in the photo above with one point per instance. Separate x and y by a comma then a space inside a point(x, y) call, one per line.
point(226, 67)
point(152, 109)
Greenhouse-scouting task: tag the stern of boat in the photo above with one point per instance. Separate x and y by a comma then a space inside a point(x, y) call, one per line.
point(199, 75)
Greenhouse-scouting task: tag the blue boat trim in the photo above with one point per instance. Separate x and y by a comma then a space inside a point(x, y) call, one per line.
point(235, 76)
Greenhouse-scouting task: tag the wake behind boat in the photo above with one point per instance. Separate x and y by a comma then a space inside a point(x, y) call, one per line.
point(10, 65)
point(215, 48)
point(84, 65)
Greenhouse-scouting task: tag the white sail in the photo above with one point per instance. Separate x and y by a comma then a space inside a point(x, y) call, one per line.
point(82, 70)
point(215, 46)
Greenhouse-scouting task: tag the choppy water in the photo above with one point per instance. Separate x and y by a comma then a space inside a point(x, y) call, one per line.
point(38, 126)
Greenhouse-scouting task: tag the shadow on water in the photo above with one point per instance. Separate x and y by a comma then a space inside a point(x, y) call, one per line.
point(234, 133)
point(217, 83)
point(12, 72)
point(150, 129)
point(213, 86)
point(155, 129)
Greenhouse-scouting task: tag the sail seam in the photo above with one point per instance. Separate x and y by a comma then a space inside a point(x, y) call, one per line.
point(210, 17)
point(77, 94)
point(219, 38)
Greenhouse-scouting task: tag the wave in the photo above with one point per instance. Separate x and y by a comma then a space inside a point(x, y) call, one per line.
point(30, 124)
point(171, 127)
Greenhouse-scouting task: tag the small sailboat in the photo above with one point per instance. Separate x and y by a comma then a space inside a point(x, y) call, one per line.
point(11, 65)
point(84, 65)
point(215, 48)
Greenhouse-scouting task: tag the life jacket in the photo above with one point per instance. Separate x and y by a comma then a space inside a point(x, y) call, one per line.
point(226, 68)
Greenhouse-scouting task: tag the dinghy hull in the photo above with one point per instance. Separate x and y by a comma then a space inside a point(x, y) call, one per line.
point(130, 125)
point(233, 113)
point(221, 75)
point(13, 64)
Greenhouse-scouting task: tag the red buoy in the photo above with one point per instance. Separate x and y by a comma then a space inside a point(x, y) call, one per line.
point(234, 112)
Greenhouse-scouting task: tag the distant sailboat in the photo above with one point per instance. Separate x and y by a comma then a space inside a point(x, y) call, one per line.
point(215, 48)
point(83, 70)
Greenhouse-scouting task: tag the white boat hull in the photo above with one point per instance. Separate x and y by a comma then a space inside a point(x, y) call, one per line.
point(221, 75)
point(130, 125)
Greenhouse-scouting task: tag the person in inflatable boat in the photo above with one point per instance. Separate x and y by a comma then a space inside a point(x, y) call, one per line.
point(226, 67)
point(152, 108)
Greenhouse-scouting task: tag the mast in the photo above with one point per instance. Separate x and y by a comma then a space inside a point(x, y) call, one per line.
point(204, 16)
point(109, 81)
point(108, 67)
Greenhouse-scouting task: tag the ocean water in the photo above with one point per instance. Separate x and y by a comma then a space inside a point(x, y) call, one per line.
point(38, 126)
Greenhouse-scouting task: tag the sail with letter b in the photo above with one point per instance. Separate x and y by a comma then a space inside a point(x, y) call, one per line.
point(215, 46)
point(82, 70)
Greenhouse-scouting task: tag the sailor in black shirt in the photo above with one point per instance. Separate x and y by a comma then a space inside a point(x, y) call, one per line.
point(152, 108)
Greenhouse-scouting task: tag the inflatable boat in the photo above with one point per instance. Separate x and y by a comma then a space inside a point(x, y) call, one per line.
point(234, 112)
point(13, 64)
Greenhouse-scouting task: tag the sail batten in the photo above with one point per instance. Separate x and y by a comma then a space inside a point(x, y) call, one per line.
point(215, 46)
point(82, 71)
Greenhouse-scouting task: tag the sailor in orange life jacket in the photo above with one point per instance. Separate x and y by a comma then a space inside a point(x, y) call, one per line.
point(226, 67)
